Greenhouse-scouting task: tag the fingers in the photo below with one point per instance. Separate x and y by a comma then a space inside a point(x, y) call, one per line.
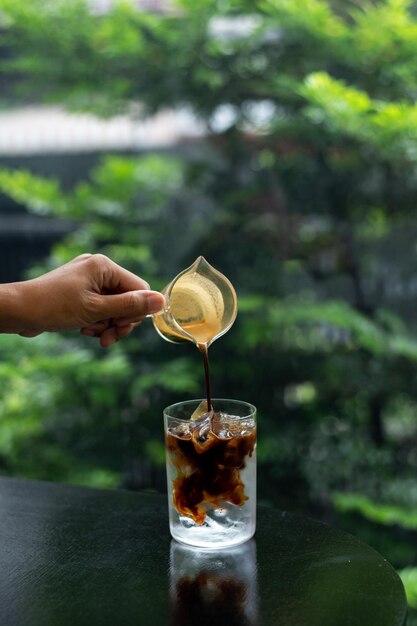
point(108, 333)
point(114, 278)
point(121, 313)
point(30, 333)
point(124, 321)
point(95, 330)
point(131, 305)
point(125, 280)
point(114, 333)
point(103, 298)
point(80, 257)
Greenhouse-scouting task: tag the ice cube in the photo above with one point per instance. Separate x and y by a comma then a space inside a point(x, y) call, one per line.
point(202, 425)
point(201, 410)
point(180, 430)
point(227, 426)
point(201, 432)
point(183, 431)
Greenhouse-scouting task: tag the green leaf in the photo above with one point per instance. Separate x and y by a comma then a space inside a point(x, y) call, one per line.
point(385, 514)
point(42, 195)
point(408, 576)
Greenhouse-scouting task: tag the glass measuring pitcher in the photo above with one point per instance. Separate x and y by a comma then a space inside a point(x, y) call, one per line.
point(200, 306)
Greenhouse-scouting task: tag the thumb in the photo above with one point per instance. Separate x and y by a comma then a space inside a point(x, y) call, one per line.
point(131, 304)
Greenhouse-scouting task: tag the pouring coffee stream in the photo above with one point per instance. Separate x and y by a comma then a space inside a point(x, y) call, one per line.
point(201, 306)
point(204, 351)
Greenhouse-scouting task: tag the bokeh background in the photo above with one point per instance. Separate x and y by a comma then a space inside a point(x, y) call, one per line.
point(278, 138)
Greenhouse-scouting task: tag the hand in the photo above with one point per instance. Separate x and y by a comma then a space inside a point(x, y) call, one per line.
point(90, 293)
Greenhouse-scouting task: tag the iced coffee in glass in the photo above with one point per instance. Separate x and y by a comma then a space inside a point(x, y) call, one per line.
point(211, 472)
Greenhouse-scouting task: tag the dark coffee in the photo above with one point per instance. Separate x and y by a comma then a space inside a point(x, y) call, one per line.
point(208, 456)
point(204, 351)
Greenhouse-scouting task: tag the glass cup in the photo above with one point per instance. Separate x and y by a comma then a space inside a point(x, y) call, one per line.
point(200, 305)
point(211, 473)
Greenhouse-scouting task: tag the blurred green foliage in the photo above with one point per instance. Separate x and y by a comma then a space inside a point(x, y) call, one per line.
point(302, 192)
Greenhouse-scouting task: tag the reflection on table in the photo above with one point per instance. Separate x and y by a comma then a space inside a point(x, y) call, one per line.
point(212, 586)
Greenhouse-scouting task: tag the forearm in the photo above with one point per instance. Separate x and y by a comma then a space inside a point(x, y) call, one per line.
point(14, 312)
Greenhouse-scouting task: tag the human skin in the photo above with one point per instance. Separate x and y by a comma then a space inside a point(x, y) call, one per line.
point(91, 293)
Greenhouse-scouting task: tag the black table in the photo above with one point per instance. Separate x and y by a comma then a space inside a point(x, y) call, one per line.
point(75, 556)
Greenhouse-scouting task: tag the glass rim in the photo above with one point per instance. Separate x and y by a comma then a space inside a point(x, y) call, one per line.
point(251, 407)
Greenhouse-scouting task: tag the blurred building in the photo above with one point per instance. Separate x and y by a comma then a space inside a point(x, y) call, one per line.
point(154, 6)
point(49, 141)
point(40, 130)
